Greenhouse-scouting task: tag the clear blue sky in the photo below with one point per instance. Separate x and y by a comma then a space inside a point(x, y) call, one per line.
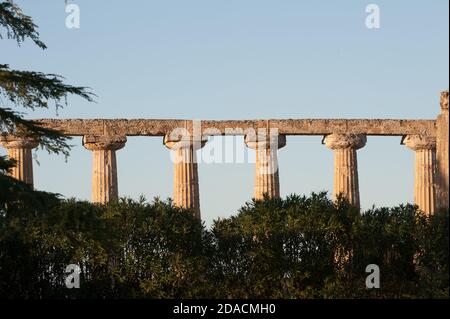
point(241, 59)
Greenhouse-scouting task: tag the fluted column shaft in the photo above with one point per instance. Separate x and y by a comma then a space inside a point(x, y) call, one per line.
point(104, 166)
point(442, 143)
point(346, 182)
point(267, 176)
point(425, 171)
point(346, 174)
point(20, 149)
point(186, 191)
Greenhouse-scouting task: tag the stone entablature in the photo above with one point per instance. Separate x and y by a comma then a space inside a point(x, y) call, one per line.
point(151, 127)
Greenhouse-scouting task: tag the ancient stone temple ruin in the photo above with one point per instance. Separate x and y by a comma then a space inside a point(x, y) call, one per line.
point(429, 140)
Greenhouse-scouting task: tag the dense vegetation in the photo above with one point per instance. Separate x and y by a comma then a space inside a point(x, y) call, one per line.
point(300, 247)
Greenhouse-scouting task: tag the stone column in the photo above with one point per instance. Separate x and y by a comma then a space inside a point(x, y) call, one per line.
point(442, 153)
point(104, 166)
point(186, 193)
point(425, 169)
point(267, 177)
point(346, 164)
point(19, 149)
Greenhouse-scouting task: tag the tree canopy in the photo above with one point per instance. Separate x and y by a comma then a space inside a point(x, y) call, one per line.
point(299, 247)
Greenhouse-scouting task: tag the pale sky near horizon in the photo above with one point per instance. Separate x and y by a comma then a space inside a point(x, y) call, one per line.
point(246, 59)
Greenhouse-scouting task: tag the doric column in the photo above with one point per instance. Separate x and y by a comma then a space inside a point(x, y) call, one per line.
point(104, 166)
point(267, 177)
point(186, 193)
point(442, 153)
point(346, 181)
point(425, 169)
point(19, 149)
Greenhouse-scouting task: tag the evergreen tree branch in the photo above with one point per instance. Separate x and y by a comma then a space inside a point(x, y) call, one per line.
point(32, 90)
point(18, 25)
point(35, 90)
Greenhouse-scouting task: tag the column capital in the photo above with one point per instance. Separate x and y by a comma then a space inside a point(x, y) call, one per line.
point(183, 142)
point(342, 141)
point(444, 101)
point(419, 142)
point(258, 142)
point(104, 142)
point(18, 142)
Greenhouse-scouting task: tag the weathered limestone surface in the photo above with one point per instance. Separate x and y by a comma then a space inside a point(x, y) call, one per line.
point(346, 181)
point(19, 149)
point(267, 177)
point(104, 166)
point(105, 136)
point(144, 127)
point(186, 192)
point(442, 153)
point(425, 171)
